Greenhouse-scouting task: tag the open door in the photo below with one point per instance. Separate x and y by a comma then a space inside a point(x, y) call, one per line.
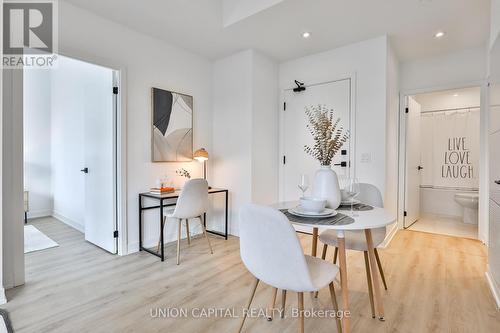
point(100, 160)
point(413, 167)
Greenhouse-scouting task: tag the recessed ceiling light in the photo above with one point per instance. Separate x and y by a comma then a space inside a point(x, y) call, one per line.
point(439, 34)
point(306, 34)
point(455, 95)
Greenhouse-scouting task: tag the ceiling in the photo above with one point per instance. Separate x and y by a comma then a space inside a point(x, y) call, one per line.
point(197, 25)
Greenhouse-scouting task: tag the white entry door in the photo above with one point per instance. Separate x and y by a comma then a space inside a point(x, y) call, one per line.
point(413, 167)
point(295, 162)
point(99, 151)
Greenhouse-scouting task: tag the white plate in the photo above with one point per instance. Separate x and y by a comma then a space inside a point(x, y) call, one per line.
point(297, 211)
point(349, 202)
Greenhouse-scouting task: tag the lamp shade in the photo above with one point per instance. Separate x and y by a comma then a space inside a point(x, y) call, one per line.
point(201, 155)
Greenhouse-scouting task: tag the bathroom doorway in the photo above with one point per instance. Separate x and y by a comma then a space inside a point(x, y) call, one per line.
point(441, 153)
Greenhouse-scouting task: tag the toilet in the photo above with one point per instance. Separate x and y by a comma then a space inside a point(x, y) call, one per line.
point(470, 204)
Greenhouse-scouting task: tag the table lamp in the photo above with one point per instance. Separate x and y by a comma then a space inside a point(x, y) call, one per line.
point(201, 155)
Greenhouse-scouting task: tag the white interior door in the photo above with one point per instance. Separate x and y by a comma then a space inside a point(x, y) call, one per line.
point(335, 95)
point(412, 181)
point(100, 181)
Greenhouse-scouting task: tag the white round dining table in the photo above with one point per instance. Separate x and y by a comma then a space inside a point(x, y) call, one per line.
point(363, 220)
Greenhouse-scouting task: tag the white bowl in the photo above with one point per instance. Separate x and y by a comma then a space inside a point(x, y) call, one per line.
point(310, 204)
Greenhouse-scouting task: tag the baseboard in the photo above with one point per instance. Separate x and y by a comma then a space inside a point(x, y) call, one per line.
point(68, 221)
point(495, 289)
point(3, 299)
point(35, 214)
point(390, 235)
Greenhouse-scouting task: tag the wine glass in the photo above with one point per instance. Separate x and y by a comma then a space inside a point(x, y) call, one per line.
point(351, 191)
point(304, 183)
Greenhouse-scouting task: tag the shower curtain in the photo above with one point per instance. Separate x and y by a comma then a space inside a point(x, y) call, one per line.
point(450, 149)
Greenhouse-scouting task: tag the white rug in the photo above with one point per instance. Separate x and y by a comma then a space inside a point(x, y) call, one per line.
point(35, 240)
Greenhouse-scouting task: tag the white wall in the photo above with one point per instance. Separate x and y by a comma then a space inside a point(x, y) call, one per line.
point(392, 143)
point(445, 100)
point(245, 132)
point(447, 71)
point(265, 145)
point(146, 62)
point(2, 293)
point(232, 130)
point(368, 62)
point(494, 21)
point(37, 142)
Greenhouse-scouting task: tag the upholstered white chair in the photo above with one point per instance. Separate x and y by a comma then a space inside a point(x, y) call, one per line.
point(355, 240)
point(191, 204)
point(271, 251)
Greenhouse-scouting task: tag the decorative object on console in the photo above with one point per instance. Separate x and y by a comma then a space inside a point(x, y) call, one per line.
point(162, 190)
point(172, 130)
point(329, 136)
point(201, 155)
point(183, 172)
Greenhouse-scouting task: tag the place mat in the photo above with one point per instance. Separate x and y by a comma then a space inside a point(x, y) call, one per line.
point(357, 207)
point(339, 219)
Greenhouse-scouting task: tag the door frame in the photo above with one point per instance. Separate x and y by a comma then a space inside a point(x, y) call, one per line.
point(120, 159)
point(483, 175)
point(352, 124)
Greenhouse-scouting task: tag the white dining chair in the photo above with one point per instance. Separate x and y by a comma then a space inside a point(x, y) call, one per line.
point(356, 241)
point(271, 251)
point(191, 204)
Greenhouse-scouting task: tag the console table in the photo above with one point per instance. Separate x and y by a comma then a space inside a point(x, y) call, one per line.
point(161, 198)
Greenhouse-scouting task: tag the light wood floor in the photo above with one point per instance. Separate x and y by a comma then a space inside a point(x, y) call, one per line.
point(436, 284)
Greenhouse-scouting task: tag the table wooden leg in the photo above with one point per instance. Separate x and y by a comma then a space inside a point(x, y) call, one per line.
point(270, 307)
point(376, 282)
point(343, 282)
point(314, 242)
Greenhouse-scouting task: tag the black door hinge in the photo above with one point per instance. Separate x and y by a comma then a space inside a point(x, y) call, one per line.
point(407, 110)
point(115, 90)
point(115, 234)
point(284, 159)
point(284, 106)
point(405, 213)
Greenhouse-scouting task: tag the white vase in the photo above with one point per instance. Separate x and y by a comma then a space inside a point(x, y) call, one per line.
point(326, 186)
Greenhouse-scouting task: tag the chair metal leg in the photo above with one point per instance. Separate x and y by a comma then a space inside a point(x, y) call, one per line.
point(159, 238)
point(252, 294)
point(179, 229)
point(270, 308)
point(335, 255)
point(283, 303)
point(187, 232)
point(206, 235)
point(380, 269)
point(369, 281)
point(301, 311)
point(335, 306)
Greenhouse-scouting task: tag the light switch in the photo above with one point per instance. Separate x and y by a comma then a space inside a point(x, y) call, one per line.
point(366, 158)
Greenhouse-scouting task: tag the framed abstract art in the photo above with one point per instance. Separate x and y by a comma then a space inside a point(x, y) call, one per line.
point(172, 128)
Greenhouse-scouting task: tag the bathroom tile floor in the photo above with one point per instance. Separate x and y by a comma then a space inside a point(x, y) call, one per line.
point(449, 226)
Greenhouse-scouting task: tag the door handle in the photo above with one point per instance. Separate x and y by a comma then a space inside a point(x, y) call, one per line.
point(419, 168)
point(497, 182)
point(85, 170)
point(341, 164)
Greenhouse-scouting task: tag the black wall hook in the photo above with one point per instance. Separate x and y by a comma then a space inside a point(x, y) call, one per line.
point(300, 86)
